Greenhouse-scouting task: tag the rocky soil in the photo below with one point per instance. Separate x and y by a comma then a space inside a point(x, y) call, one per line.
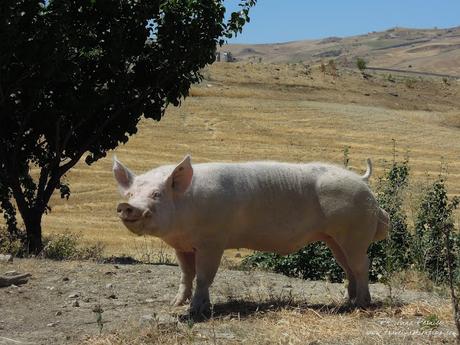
point(62, 301)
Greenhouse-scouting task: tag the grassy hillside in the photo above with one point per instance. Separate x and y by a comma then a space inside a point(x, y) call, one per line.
point(430, 50)
point(286, 112)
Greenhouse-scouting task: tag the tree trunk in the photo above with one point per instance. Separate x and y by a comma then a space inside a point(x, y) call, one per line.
point(32, 221)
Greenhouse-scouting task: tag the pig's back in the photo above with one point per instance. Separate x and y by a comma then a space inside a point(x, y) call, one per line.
point(262, 205)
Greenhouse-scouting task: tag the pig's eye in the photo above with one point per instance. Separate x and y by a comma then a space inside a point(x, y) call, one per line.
point(129, 194)
point(156, 195)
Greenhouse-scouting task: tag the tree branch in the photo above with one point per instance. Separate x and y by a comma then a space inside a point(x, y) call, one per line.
point(55, 177)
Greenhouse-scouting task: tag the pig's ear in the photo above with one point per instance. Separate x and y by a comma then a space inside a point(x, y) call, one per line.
point(181, 177)
point(122, 174)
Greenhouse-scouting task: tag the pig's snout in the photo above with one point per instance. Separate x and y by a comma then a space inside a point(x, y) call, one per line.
point(130, 213)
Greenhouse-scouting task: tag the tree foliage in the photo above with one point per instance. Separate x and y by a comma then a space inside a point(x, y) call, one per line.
point(77, 75)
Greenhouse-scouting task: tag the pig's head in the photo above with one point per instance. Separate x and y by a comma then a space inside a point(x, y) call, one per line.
point(150, 207)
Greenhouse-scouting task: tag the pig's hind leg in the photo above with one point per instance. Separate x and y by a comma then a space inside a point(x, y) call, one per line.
point(187, 265)
point(342, 261)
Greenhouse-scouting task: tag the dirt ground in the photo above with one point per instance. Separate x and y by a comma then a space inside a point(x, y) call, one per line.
point(57, 306)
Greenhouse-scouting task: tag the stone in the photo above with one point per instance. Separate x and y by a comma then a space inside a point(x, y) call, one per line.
point(52, 324)
point(6, 258)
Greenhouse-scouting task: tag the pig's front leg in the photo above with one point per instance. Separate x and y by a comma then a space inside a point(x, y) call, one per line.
point(207, 260)
point(187, 266)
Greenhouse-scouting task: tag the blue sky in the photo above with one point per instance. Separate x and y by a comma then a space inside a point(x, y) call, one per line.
point(289, 20)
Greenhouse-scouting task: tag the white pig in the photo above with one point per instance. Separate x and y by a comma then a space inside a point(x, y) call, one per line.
point(202, 209)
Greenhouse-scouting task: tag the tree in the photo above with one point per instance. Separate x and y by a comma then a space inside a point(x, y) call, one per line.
point(77, 75)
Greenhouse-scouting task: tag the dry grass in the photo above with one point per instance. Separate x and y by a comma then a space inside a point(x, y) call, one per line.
point(294, 323)
point(274, 112)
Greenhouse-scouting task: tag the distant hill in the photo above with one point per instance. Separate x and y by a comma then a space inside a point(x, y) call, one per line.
point(425, 50)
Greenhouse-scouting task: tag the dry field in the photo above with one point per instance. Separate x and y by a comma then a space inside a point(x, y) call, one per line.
point(241, 112)
point(247, 111)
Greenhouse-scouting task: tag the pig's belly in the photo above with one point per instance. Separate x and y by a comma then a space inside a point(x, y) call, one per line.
point(280, 239)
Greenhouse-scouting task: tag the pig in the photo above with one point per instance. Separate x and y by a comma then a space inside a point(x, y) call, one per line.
point(202, 209)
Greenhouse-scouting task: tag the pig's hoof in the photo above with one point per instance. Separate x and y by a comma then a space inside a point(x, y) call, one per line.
point(180, 299)
point(360, 303)
point(200, 310)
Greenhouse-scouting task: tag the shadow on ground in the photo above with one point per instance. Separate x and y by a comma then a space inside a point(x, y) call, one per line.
point(242, 309)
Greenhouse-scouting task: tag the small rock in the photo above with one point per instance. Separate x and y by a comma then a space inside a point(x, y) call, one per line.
point(112, 296)
point(147, 319)
point(50, 288)
point(65, 279)
point(149, 300)
point(86, 299)
point(394, 94)
point(74, 295)
point(116, 266)
point(160, 319)
point(367, 94)
point(287, 286)
point(52, 324)
point(75, 304)
point(58, 313)
point(237, 255)
point(109, 286)
point(6, 258)
point(109, 273)
point(148, 271)
point(11, 273)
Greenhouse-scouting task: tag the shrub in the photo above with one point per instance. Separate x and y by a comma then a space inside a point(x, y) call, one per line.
point(410, 83)
point(433, 217)
point(12, 242)
point(332, 68)
point(60, 247)
point(323, 68)
point(68, 247)
point(361, 64)
point(314, 262)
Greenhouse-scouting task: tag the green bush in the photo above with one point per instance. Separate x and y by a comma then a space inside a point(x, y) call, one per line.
point(314, 262)
point(361, 64)
point(60, 247)
point(393, 254)
point(68, 247)
point(433, 218)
